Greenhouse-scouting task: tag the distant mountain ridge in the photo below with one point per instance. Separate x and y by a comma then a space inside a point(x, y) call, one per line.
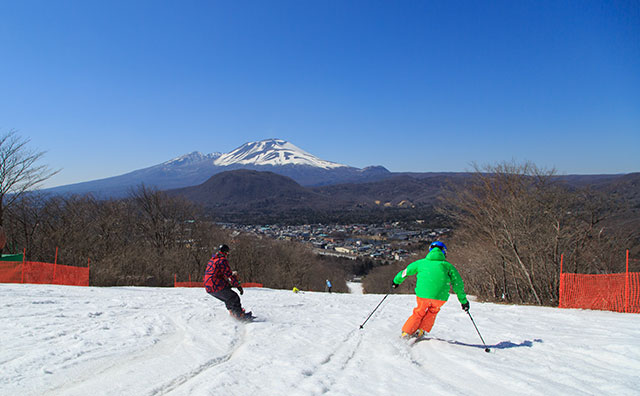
point(249, 196)
point(272, 180)
point(255, 197)
point(273, 155)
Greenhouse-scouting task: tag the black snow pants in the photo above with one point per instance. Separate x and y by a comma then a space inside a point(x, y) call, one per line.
point(231, 300)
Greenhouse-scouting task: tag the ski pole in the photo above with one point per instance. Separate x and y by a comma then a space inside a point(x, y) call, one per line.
point(374, 310)
point(486, 349)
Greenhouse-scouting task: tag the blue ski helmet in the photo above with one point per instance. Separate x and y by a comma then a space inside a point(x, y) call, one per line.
point(439, 245)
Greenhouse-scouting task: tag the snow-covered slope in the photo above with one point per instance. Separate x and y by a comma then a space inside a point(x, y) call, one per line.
point(274, 152)
point(192, 158)
point(63, 340)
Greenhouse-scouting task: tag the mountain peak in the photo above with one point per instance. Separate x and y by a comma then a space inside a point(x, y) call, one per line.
point(192, 157)
point(275, 152)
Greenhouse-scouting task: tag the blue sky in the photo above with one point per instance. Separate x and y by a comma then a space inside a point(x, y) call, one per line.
point(108, 87)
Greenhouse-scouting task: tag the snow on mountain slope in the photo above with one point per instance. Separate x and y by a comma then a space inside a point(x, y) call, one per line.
point(272, 152)
point(65, 340)
point(193, 157)
point(275, 155)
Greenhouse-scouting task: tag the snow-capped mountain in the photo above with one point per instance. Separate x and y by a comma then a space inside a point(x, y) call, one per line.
point(269, 152)
point(191, 158)
point(272, 152)
point(274, 155)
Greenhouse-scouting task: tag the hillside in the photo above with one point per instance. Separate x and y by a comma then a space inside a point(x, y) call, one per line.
point(401, 190)
point(249, 196)
point(242, 188)
point(63, 340)
point(263, 197)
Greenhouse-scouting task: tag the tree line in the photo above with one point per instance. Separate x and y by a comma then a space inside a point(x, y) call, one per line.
point(148, 237)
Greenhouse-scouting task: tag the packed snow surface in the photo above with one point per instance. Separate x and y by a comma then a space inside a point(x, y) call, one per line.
point(64, 340)
point(355, 287)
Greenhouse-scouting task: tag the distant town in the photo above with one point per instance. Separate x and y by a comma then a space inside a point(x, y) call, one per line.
point(388, 241)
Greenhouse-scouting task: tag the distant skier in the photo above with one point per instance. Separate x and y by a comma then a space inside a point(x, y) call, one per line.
point(328, 286)
point(218, 281)
point(434, 276)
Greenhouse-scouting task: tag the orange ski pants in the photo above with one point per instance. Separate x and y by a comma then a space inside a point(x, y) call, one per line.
point(424, 315)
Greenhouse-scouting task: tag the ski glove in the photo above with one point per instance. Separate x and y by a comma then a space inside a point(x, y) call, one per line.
point(240, 290)
point(465, 307)
point(394, 284)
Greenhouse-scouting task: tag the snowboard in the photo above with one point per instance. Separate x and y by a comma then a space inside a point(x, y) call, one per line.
point(246, 317)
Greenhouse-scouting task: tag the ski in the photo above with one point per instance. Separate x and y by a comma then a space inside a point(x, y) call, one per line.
point(412, 339)
point(419, 339)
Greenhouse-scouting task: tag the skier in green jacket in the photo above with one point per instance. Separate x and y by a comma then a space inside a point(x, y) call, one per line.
point(435, 276)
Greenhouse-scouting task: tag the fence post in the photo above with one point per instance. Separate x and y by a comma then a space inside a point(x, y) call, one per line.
point(24, 256)
point(626, 285)
point(55, 263)
point(561, 285)
point(175, 279)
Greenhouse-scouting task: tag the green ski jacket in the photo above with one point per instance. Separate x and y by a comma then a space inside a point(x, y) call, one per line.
point(435, 275)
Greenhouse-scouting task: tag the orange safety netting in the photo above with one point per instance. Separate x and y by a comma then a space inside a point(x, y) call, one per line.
point(188, 284)
point(43, 273)
point(610, 292)
point(201, 284)
point(10, 272)
point(251, 284)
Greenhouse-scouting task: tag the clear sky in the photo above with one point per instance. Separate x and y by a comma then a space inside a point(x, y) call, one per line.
point(108, 87)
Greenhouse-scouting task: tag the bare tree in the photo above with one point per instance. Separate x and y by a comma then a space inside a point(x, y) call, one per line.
point(23, 220)
point(19, 171)
point(162, 219)
point(513, 223)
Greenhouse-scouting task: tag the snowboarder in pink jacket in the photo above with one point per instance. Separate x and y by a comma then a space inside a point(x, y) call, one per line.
point(218, 281)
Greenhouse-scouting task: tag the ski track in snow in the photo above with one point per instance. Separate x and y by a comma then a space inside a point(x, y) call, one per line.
point(178, 381)
point(319, 379)
point(60, 340)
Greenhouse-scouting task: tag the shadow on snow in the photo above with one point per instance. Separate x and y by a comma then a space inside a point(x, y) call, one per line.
point(500, 345)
